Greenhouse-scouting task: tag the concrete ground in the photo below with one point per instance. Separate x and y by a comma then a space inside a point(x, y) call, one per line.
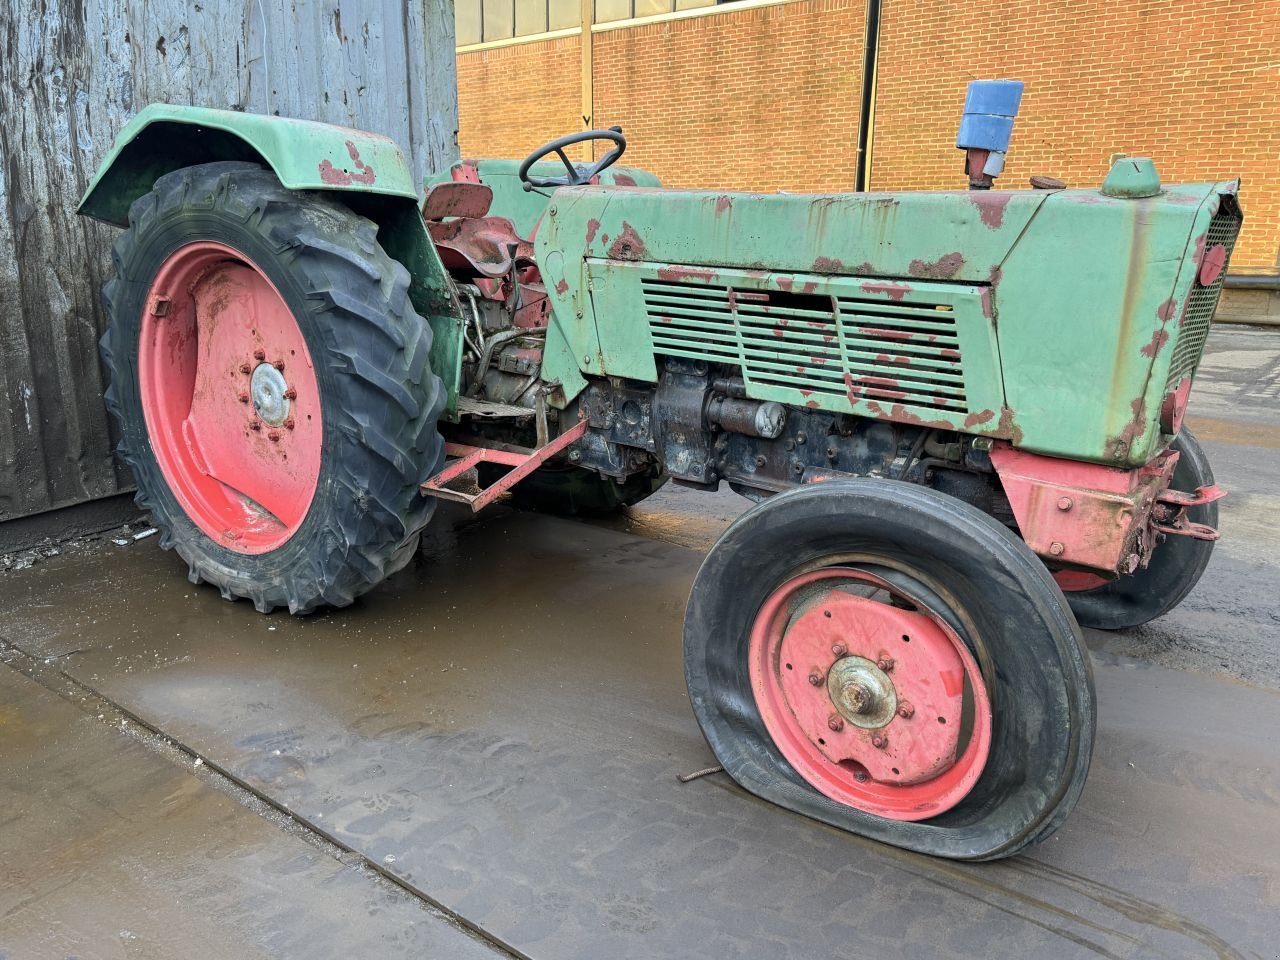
point(480, 758)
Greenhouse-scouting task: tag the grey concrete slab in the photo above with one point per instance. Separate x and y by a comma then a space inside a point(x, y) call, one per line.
point(501, 725)
point(107, 850)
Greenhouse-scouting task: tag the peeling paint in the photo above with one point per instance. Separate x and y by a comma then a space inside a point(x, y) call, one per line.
point(944, 268)
point(592, 226)
point(977, 419)
point(1158, 340)
point(894, 291)
point(990, 206)
point(827, 265)
point(628, 245)
point(676, 274)
point(344, 178)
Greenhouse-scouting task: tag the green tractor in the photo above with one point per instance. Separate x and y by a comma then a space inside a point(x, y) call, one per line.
point(959, 414)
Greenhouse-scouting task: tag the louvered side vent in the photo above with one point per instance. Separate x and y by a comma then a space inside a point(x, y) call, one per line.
point(848, 347)
point(1194, 329)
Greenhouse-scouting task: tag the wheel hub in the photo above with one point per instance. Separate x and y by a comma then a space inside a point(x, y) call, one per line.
point(862, 692)
point(268, 388)
point(877, 705)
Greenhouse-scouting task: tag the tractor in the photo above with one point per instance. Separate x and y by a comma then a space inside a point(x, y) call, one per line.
point(959, 415)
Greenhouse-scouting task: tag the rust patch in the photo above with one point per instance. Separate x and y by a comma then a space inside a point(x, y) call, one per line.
point(723, 203)
point(949, 353)
point(342, 178)
point(676, 274)
point(592, 226)
point(562, 286)
point(1118, 447)
point(988, 293)
point(977, 419)
point(1008, 428)
point(623, 180)
point(990, 206)
point(811, 404)
point(1167, 310)
point(1158, 340)
point(894, 291)
point(828, 265)
point(944, 268)
point(627, 245)
point(887, 334)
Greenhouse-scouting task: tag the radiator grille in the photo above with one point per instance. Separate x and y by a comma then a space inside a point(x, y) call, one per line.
point(903, 351)
point(1223, 229)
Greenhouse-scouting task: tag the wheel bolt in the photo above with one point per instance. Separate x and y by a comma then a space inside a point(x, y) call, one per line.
point(905, 710)
point(1056, 548)
point(885, 664)
point(815, 678)
point(839, 649)
point(861, 776)
point(291, 394)
point(761, 460)
point(254, 425)
point(835, 722)
point(245, 368)
point(289, 424)
point(259, 355)
point(274, 436)
point(880, 741)
point(243, 398)
point(279, 365)
point(1064, 503)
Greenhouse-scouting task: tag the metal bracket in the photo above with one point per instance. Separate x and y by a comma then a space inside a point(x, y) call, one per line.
point(1178, 524)
point(523, 462)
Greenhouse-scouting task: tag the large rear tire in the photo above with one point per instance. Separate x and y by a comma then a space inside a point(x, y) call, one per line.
point(823, 610)
point(1175, 568)
point(271, 382)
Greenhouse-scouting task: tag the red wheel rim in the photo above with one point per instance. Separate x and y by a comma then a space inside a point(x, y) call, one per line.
point(230, 398)
point(878, 707)
point(1077, 581)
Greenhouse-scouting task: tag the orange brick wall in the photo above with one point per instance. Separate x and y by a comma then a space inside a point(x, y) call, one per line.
point(767, 98)
point(1194, 84)
point(511, 99)
point(760, 99)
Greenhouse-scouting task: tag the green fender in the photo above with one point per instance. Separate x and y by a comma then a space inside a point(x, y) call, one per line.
point(366, 171)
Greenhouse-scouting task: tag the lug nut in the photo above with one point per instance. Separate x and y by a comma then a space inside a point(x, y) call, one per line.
point(1056, 548)
point(291, 394)
point(274, 436)
point(761, 460)
point(885, 663)
point(245, 368)
point(254, 425)
point(815, 678)
point(905, 710)
point(880, 741)
point(839, 649)
point(289, 424)
point(243, 398)
point(1064, 503)
point(861, 776)
point(835, 722)
point(279, 365)
point(259, 355)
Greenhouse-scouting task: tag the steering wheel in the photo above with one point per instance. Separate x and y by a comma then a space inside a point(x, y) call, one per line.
point(576, 173)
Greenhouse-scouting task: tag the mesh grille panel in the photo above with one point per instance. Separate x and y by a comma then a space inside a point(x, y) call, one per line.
point(1204, 300)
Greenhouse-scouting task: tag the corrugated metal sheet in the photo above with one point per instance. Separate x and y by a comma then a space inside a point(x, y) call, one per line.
point(71, 74)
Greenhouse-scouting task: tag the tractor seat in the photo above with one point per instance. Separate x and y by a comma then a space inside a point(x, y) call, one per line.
point(469, 239)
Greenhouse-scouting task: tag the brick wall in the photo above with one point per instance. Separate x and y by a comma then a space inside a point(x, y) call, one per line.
point(759, 99)
point(767, 98)
point(1194, 84)
point(511, 99)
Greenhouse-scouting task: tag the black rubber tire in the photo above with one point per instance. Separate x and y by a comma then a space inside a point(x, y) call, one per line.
point(379, 399)
point(1176, 565)
point(574, 491)
point(999, 598)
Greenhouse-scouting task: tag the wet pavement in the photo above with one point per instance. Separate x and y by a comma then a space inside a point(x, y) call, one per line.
point(481, 756)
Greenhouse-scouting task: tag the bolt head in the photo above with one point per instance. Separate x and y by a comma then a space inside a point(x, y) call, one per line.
point(291, 394)
point(279, 365)
point(259, 355)
point(815, 678)
point(1056, 548)
point(254, 425)
point(243, 398)
point(880, 741)
point(885, 663)
point(861, 776)
point(761, 460)
point(274, 436)
point(839, 649)
point(1064, 503)
point(245, 368)
point(905, 710)
point(289, 424)
point(835, 722)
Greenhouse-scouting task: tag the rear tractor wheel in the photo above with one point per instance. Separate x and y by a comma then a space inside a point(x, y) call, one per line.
point(893, 662)
point(271, 383)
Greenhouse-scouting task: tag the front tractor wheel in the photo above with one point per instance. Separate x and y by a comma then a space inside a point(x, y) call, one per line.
point(891, 661)
point(271, 383)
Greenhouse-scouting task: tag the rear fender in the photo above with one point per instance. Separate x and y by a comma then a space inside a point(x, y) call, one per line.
point(365, 171)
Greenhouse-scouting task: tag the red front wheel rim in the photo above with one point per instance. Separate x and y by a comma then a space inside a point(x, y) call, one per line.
point(230, 397)
point(874, 700)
